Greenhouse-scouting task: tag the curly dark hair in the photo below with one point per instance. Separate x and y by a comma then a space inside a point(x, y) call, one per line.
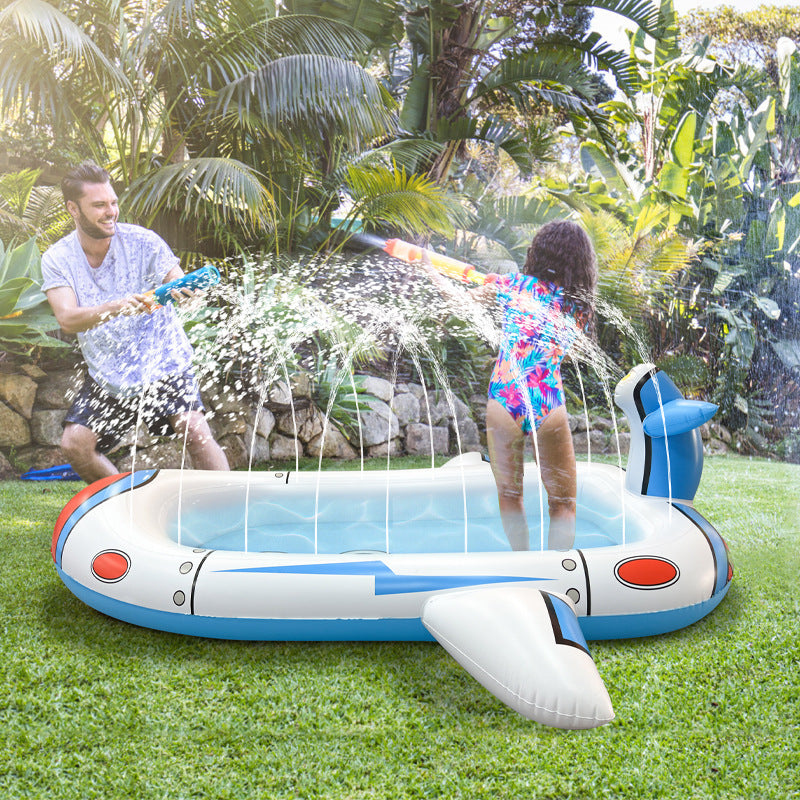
point(86, 172)
point(561, 253)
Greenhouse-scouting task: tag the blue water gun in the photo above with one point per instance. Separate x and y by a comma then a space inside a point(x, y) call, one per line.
point(199, 279)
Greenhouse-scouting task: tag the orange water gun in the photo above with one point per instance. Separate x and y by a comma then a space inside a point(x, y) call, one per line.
point(447, 266)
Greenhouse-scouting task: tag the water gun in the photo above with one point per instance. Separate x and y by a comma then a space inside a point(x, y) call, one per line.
point(447, 266)
point(199, 279)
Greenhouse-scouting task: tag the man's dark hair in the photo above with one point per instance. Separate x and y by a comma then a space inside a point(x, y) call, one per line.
point(86, 172)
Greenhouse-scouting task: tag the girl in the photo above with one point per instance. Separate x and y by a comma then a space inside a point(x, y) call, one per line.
point(542, 308)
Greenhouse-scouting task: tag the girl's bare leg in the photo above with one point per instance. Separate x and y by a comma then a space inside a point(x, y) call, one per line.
point(559, 475)
point(506, 454)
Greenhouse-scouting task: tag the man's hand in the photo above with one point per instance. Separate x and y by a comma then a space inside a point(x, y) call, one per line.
point(135, 304)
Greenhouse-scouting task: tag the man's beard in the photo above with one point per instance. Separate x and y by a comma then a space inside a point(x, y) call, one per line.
point(94, 231)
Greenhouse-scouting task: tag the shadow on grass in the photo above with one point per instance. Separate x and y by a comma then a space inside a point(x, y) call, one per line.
point(421, 672)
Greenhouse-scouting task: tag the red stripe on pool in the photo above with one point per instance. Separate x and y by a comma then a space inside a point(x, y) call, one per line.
point(77, 500)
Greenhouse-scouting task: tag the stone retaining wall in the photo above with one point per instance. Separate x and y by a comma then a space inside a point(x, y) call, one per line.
point(401, 420)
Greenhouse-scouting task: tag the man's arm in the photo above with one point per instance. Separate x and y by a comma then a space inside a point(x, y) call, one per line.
point(73, 318)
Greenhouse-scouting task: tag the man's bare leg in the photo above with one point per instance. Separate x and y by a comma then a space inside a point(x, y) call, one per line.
point(200, 443)
point(79, 444)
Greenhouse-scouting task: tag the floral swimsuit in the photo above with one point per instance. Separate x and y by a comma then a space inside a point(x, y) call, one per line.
point(538, 328)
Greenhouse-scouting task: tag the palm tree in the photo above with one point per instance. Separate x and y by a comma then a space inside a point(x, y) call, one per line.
point(211, 112)
point(457, 61)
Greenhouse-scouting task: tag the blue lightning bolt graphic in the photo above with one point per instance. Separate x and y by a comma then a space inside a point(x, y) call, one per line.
point(386, 581)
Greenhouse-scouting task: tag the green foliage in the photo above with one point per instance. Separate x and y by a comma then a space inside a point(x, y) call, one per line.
point(744, 37)
point(458, 61)
point(28, 210)
point(714, 200)
point(25, 317)
point(224, 122)
point(341, 396)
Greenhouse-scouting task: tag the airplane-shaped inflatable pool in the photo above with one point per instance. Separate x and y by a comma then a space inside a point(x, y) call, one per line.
point(418, 554)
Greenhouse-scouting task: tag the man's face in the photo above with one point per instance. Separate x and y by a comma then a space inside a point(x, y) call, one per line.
point(96, 211)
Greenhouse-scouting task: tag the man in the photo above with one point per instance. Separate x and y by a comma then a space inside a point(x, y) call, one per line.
point(138, 356)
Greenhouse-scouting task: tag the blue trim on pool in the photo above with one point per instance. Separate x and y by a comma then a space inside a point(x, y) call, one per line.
point(124, 484)
point(622, 626)
point(652, 623)
point(716, 542)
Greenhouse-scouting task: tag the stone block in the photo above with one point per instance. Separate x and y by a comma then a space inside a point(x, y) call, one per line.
point(164, 455)
point(46, 426)
point(6, 470)
point(279, 395)
point(378, 387)
point(283, 394)
point(597, 441)
point(285, 448)
point(624, 443)
point(407, 408)
point(417, 390)
point(258, 449)
point(306, 424)
point(224, 400)
point(59, 389)
point(42, 457)
point(33, 372)
point(227, 424)
point(419, 437)
point(436, 411)
point(379, 424)
point(334, 445)
point(715, 447)
point(468, 435)
point(256, 439)
point(18, 393)
point(235, 450)
point(385, 449)
point(14, 429)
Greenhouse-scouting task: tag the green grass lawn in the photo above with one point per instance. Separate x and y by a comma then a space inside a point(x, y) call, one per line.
point(94, 708)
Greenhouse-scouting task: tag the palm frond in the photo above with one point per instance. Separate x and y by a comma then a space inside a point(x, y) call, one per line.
point(37, 22)
point(296, 34)
point(310, 95)
point(551, 66)
point(643, 13)
point(491, 129)
point(16, 188)
point(222, 190)
point(378, 20)
point(392, 198)
point(600, 55)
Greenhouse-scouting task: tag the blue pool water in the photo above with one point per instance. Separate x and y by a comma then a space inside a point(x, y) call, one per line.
point(340, 519)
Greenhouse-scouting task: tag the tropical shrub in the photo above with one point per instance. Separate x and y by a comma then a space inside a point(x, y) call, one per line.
point(25, 317)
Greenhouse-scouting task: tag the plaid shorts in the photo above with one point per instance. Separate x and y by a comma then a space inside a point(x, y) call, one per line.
point(110, 417)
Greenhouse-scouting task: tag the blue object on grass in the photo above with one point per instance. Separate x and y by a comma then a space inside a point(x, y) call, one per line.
point(62, 472)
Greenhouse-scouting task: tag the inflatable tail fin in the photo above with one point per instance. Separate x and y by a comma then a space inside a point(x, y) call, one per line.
point(666, 453)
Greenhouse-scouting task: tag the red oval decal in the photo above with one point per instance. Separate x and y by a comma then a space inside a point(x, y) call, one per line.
point(647, 572)
point(110, 566)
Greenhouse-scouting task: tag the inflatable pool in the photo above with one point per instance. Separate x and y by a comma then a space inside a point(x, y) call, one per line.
point(417, 554)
